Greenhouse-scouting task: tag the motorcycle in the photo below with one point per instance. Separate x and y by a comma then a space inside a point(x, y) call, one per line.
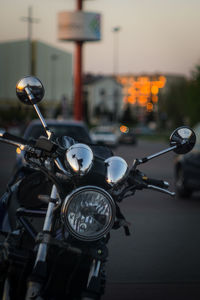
point(58, 212)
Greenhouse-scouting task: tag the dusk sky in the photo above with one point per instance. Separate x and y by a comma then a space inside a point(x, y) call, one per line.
point(156, 35)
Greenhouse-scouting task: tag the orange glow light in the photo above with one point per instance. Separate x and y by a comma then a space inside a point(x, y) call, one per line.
point(18, 150)
point(131, 90)
point(132, 99)
point(149, 107)
point(145, 89)
point(142, 88)
point(20, 87)
point(154, 99)
point(124, 129)
point(142, 100)
point(143, 79)
point(154, 90)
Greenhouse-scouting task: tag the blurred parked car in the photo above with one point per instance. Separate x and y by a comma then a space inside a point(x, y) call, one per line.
point(75, 129)
point(127, 135)
point(105, 135)
point(187, 169)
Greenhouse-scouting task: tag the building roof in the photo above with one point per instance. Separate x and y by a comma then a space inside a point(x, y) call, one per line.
point(89, 79)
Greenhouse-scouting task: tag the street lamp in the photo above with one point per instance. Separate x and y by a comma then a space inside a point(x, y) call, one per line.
point(115, 31)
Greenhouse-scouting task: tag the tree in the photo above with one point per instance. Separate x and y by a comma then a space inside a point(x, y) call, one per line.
point(174, 103)
point(182, 102)
point(193, 97)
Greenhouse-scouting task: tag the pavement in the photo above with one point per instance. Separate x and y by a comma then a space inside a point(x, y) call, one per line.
point(152, 291)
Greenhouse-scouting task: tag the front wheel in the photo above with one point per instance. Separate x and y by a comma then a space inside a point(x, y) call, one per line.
point(181, 190)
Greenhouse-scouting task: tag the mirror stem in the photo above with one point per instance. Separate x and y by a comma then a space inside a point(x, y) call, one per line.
point(145, 159)
point(29, 94)
point(44, 124)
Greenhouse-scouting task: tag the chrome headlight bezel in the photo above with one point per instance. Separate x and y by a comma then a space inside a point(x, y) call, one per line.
point(66, 206)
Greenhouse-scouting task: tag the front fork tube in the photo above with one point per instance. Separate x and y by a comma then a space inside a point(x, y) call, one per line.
point(39, 269)
point(94, 271)
point(96, 280)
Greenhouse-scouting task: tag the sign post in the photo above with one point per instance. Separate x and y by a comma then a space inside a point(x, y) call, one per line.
point(78, 27)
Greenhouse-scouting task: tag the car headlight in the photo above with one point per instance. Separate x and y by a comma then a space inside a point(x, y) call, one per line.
point(88, 213)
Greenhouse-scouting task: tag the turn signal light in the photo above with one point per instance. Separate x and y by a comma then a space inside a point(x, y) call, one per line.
point(18, 150)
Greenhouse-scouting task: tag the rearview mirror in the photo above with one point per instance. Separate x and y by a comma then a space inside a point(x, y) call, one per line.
point(35, 87)
point(184, 138)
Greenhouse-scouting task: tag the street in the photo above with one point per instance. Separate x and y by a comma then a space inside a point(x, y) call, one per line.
point(160, 260)
point(161, 257)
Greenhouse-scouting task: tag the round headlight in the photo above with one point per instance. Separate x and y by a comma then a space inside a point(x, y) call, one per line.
point(80, 158)
point(116, 170)
point(88, 213)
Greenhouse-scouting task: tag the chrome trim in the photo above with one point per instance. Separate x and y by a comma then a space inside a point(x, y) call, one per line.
point(94, 270)
point(61, 168)
point(80, 158)
point(42, 249)
point(30, 90)
point(156, 188)
point(44, 124)
point(185, 133)
point(159, 153)
point(117, 169)
point(2, 131)
point(21, 146)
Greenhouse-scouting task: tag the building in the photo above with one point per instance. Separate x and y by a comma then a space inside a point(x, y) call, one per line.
point(102, 99)
point(51, 65)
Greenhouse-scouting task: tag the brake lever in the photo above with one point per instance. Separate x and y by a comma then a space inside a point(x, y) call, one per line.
point(156, 188)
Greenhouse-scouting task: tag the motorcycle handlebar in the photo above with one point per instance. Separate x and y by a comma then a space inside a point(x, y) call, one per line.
point(141, 181)
point(41, 143)
point(156, 182)
point(12, 139)
point(47, 147)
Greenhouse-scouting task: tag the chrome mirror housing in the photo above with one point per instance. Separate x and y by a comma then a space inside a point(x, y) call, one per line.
point(80, 158)
point(117, 169)
point(34, 85)
point(2, 131)
point(184, 138)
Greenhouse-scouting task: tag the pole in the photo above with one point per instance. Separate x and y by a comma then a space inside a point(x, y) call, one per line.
point(79, 4)
point(78, 95)
point(78, 109)
point(115, 49)
point(30, 20)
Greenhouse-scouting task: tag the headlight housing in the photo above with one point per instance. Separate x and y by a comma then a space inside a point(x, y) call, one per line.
point(80, 158)
point(117, 169)
point(88, 213)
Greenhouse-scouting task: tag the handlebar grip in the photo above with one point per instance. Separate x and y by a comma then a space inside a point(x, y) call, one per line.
point(156, 182)
point(13, 138)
